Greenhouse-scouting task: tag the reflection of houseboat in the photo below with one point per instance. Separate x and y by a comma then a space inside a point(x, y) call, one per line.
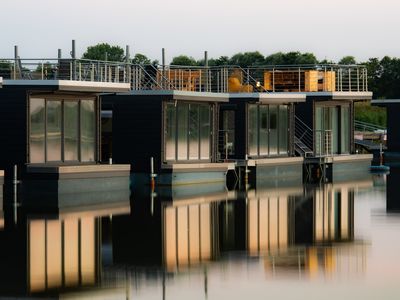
point(54, 128)
point(55, 250)
point(177, 128)
point(177, 231)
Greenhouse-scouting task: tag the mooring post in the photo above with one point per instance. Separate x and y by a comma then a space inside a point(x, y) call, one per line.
point(246, 175)
point(15, 196)
point(152, 174)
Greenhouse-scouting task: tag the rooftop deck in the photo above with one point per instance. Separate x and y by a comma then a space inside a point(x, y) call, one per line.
point(217, 79)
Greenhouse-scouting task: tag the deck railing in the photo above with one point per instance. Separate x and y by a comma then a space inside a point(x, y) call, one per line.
point(219, 79)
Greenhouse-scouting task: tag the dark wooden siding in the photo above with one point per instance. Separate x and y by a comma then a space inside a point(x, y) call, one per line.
point(137, 130)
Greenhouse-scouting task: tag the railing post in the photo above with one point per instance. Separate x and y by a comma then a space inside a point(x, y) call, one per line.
point(349, 79)
point(299, 80)
point(42, 71)
point(358, 79)
point(273, 79)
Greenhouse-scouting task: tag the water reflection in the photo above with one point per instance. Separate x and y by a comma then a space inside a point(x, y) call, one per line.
point(149, 243)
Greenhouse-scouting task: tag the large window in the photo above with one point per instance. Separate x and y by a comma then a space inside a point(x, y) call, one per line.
point(267, 129)
point(62, 130)
point(187, 131)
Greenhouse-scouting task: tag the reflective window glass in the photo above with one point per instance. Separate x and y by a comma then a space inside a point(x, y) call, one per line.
point(205, 132)
point(283, 129)
point(253, 129)
point(71, 130)
point(88, 131)
point(273, 129)
point(37, 130)
point(170, 131)
point(53, 134)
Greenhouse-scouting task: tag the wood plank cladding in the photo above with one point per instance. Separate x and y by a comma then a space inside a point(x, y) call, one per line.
point(300, 81)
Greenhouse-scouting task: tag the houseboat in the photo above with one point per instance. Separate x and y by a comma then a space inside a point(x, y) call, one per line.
point(392, 154)
point(325, 124)
point(169, 133)
point(50, 118)
point(257, 131)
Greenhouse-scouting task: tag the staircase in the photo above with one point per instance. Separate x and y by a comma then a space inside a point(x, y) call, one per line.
point(303, 139)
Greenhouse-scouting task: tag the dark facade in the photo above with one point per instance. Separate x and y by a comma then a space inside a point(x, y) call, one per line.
point(325, 115)
point(41, 125)
point(256, 127)
point(173, 128)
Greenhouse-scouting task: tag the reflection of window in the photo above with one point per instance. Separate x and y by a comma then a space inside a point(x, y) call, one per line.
point(62, 130)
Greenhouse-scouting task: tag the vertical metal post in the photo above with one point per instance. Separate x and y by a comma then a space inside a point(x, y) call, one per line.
point(358, 79)
point(163, 66)
point(73, 55)
point(273, 79)
point(127, 54)
point(206, 65)
point(299, 81)
point(16, 56)
point(349, 79)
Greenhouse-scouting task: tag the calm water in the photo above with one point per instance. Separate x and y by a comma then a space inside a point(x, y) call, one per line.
point(276, 241)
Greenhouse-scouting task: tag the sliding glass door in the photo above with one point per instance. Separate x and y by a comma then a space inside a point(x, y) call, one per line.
point(332, 129)
point(187, 135)
point(267, 130)
point(62, 130)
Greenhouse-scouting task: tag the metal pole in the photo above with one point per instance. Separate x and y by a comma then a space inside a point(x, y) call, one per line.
point(59, 54)
point(15, 61)
point(73, 55)
point(206, 65)
point(163, 65)
point(127, 54)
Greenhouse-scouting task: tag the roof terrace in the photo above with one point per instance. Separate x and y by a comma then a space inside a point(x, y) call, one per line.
point(221, 79)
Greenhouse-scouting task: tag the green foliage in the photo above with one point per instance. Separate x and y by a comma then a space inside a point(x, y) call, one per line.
point(221, 61)
point(103, 50)
point(347, 60)
point(183, 60)
point(247, 59)
point(371, 114)
point(141, 59)
point(291, 58)
point(384, 77)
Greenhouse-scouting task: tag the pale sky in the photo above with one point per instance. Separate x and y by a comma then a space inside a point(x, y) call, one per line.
point(329, 29)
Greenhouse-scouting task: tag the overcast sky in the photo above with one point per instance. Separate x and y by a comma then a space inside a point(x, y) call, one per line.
point(330, 29)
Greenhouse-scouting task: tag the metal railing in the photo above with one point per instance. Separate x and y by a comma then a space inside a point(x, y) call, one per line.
point(303, 138)
point(368, 127)
point(219, 79)
point(323, 143)
point(226, 144)
point(66, 69)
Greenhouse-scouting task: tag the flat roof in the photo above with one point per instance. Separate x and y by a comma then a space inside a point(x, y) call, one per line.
point(342, 95)
point(271, 98)
point(385, 101)
point(182, 95)
point(73, 85)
